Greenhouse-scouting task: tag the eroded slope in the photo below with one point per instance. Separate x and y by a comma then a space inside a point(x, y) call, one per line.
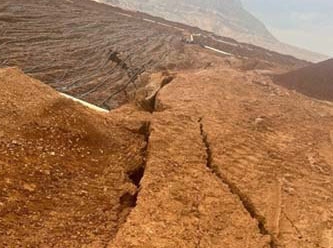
point(223, 17)
point(63, 168)
point(226, 159)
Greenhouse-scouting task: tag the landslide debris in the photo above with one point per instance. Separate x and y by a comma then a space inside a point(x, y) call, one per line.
point(65, 170)
point(254, 171)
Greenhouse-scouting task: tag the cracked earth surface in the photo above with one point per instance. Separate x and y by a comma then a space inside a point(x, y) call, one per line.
point(234, 164)
point(213, 155)
point(270, 147)
point(222, 161)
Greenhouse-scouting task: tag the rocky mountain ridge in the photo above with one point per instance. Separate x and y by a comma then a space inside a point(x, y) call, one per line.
point(225, 17)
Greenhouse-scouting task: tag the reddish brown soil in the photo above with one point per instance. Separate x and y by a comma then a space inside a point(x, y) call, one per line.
point(221, 158)
point(314, 80)
point(181, 202)
point(63, 177)
point(232, 161)
point(269, 148)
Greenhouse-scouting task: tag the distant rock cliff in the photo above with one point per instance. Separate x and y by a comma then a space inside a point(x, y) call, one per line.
point(223, 17)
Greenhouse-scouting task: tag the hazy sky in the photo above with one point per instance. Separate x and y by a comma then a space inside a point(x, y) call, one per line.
point(304, 23)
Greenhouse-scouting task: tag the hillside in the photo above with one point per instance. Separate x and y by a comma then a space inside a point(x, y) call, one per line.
point(201, 149)
point(314, 80)
point(103, 54)
point(75, 178)
point(63, 167)
point(227, 18)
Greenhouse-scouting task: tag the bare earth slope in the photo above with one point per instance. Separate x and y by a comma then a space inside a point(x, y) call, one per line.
point(234, 163)
point(222, 157)
point(314, 81)
point(63, 168)
point(99, 53)
point(231, 161)
point(89, 50)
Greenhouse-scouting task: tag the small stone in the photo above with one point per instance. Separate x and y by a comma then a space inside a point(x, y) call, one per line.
point(30, 187)
point(258, 121)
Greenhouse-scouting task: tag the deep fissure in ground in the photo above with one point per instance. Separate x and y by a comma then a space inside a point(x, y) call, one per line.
point(135, 176)
point(246, 202)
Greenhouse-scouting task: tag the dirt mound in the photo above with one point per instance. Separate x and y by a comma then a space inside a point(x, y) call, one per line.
point(314, 80)
point(64, 169)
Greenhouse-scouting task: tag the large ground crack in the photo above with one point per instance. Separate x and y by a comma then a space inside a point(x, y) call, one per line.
point(246, 202)
point(128, 200)
point(150, 102)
